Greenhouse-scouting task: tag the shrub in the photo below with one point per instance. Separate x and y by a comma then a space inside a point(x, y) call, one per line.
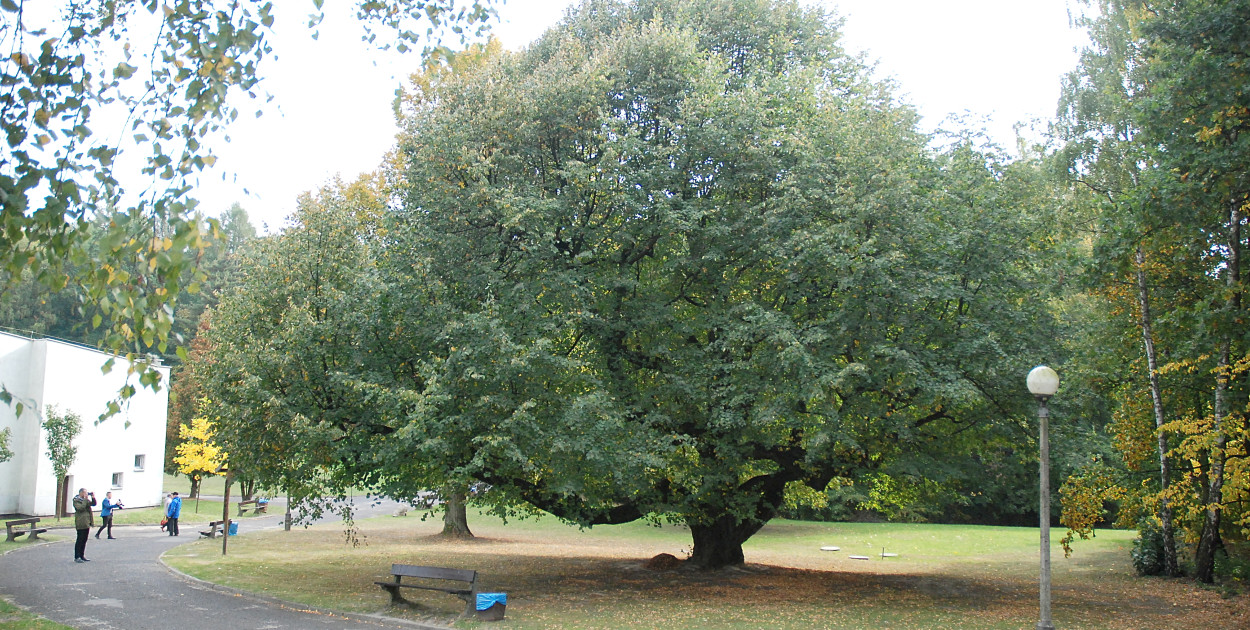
point(1148, 549)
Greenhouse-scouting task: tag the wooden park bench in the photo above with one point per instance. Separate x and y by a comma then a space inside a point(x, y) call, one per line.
point(433, 574)
point(13, 527)
point(214, 528)
point(255, 506)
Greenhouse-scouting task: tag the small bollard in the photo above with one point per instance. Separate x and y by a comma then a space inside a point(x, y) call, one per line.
point(490, 606)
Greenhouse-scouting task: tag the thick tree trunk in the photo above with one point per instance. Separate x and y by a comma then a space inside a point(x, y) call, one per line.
point(1170, 564)
point(195, 488)
point(719, 544)
point(455, 519)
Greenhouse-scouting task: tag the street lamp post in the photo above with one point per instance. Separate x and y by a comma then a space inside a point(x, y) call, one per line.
point(1043, 383)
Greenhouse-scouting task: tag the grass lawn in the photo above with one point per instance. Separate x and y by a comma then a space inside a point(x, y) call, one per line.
point(194, 511)
point(213, 485)
point(6, 546)
point(14, 618)
point(208, 511)
point(945, 576)
point(192, 514)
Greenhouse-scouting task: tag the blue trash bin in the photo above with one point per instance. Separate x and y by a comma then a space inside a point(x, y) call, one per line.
point(490, 606)
point(234, 528)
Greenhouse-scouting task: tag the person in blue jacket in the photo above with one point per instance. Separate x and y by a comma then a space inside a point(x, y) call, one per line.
point(106, 514)
point(172, 512)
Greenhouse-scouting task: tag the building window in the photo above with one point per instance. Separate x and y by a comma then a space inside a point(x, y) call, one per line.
point(139, 460)
point(117, 480)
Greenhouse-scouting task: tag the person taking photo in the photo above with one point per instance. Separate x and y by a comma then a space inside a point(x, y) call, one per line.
point(83, 520)
point(106, 514)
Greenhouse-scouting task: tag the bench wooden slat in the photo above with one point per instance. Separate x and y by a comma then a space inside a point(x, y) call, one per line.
point(434, 573)
point(453, 591)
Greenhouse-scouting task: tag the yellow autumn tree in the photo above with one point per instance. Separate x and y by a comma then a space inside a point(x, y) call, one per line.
point(198, 455)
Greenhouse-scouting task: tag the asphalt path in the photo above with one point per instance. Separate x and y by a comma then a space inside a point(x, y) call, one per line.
point(125, 586)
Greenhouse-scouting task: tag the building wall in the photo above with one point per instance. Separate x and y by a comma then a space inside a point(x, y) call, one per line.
point(17, 367)
point(69, 377)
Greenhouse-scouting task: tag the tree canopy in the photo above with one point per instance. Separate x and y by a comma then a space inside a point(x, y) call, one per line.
point(691, 264)
point(286, 345)
point(60, 429)
point(676, 260)
point(199, 454)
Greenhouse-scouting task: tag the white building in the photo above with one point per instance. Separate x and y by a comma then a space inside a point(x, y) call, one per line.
point(124, 454)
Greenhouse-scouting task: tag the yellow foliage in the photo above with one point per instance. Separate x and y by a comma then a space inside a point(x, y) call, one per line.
point(198, 454)
point(1133, 427)
point(1083, 496)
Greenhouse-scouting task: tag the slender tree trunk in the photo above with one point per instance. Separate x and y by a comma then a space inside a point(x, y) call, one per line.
point(61, 492)
point(225, 513)
point(286, 520)
point(1209, 540)
point(195, 488)
point(455, 519)
point(1170, 564)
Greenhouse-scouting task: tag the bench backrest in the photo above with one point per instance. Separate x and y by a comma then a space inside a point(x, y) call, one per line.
point(434, 573)
point(24, 521)
point(247, 502)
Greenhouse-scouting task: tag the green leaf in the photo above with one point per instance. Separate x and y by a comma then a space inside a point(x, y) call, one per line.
point(124, 70)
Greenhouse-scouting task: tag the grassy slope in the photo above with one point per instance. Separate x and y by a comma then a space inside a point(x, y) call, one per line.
point(556, 576)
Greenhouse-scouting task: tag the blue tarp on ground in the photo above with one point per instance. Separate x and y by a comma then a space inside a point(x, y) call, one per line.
point(486, 600)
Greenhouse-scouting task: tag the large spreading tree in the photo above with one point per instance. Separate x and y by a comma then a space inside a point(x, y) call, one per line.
point(679, 258)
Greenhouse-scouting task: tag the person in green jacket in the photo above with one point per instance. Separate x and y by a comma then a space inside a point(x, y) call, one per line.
point(83, 520)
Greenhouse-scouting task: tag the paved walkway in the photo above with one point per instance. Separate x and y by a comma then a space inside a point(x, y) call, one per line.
point(126, 587)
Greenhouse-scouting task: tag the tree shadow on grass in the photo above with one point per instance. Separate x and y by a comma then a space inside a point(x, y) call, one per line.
point(559, 585)
point(552, 581)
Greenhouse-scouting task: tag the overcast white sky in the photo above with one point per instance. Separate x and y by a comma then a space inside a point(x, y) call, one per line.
point(999, 60)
